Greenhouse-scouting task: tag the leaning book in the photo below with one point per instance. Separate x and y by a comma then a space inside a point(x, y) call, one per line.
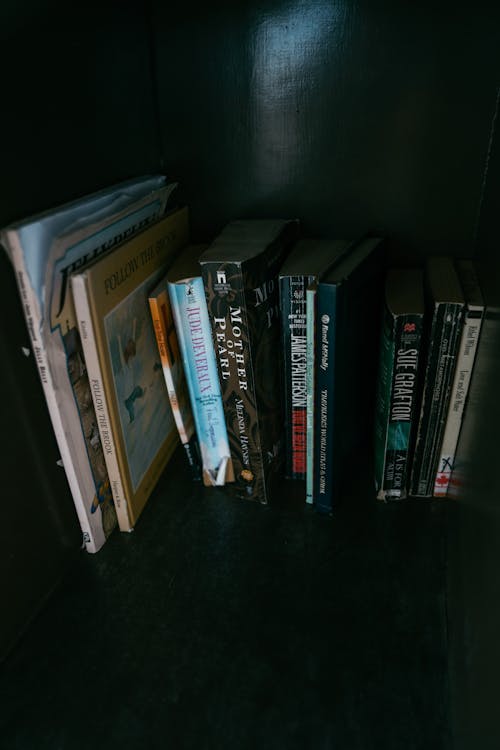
point(189, 308)
point(134, 415)
point(474, 310)
point(44, 250)
point(397, 385)
point(240, 274)
point(173, 371)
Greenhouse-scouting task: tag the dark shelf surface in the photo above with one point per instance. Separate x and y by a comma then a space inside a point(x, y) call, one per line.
point(219, 624)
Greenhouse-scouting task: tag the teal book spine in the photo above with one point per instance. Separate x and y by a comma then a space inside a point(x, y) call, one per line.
point(194, 333)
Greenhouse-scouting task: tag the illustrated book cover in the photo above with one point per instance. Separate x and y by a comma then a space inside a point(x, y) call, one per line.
point(397, 386)
point(173, 372)
point(44, 249)
point(474, 310)
point(189, 308)
point(348, 300)
point(307, 261)
point(240, 274)
point(445, 320)
point(134, 416)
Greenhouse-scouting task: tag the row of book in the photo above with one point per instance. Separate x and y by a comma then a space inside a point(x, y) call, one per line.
point(257, 351)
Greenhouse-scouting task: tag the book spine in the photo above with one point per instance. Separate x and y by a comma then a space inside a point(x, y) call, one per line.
point(383, 401)
point(195, 339)
point(408, 334)
point(93, 533)
point(463, 371)
point(324, 480)
point(173, 372)
point(224, 287)
point(310, 379)
point(293, 313)
point(445, 334)
point(85, 325)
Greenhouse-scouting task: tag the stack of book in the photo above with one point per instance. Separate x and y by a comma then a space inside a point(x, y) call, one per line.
point(257, 352)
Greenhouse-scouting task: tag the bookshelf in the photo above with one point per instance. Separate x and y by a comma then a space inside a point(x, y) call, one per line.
point(217, 625)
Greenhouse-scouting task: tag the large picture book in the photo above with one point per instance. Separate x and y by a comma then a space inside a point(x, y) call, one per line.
point(397, 386)
point(189, 308)
point(445, 321)
point(474, 310)
point(134, 416)
point(307, 262)
point(173, 371)
point(44, 250)
point(240, 273)
point(348, 300)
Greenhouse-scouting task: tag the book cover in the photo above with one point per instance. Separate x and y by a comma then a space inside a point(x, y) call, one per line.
point(173, 372)
point(397, 387)
point(446, 306)
point(189, 308)
point(134, 416)
point(348, 301)
point(307, 261)
point(240, 273)
point(474, 310)
point(44, 249)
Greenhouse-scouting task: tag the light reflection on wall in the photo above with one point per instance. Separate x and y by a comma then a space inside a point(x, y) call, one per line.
point(288, 55)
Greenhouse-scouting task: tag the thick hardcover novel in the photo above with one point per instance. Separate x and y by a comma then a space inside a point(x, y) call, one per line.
point(397, 387)
point(446, 303)
point(307, 262)
point(134, 416)
point(311, 292)
point(474, 310)
point(240, 274)
point(348, 301)
point(189, 307)
point(44, 250)
point(173, 371)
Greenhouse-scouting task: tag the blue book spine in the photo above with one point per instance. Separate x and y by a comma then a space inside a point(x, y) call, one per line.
point(189, 308)
point(324, 374)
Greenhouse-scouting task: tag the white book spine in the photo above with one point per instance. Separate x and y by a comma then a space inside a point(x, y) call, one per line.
point(85, 325)
point(93, 534)
point(463, 371)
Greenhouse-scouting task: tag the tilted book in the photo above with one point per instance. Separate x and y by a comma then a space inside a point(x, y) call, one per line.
point(446, 306)
point(240, 273)
point(173, 371)
point(348, 301)
point(474, 310)
point(189, 308)
point(44, 250)
point(134, 416)
point(397, 387)
point(307, 262)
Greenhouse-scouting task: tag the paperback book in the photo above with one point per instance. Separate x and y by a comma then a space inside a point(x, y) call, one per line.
point(397, 391)
point(45, 249)
point(173, 371)
point(240, 274)
point(307, 262)
point(446, 307)
point(134, 416)
point(189, 308)
point(348, 300)
point(474, 310)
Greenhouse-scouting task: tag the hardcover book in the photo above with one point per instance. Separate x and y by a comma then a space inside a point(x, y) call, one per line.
point(173, 371)
point(189, 308)
point(240, 273)
point(134, 416)
point(446, 303)
point(348, 301)
point(474, 309)
point(397, 388)
point(307, 262)
point(44, 250)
